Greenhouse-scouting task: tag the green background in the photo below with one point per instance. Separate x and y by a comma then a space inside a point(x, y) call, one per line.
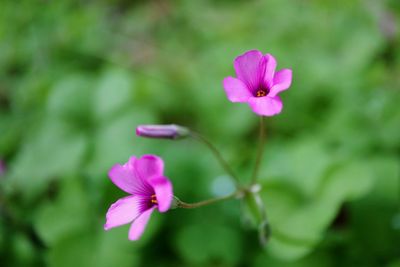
point(77, 77)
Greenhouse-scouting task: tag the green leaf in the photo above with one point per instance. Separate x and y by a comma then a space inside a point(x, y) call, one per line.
point(53, 151)
point(116, 141)
point(287, 161)
point(202, 244)
point(114, 92)
point(93, 248)
point(68, 214)
point(71, 231)
point(71, 98)
point(24, 250)
point(374, 218)
point(298, 223)
point(347, 182)
point(75, 249)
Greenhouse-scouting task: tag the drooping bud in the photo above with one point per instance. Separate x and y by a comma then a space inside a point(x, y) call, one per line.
point(166, 131)
point(255, 211)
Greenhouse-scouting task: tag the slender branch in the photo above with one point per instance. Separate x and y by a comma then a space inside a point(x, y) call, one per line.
point(184, 205)
point(260, 151)
point(217, 154)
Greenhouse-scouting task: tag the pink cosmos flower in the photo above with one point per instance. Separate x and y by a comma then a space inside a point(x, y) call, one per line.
point(257, 83)
point(142, 178)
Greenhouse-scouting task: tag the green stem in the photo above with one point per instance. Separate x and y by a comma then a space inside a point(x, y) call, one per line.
point(398, 180)
point(185, 205)
point(264, 227)
point(260, 151)
point(217, 154)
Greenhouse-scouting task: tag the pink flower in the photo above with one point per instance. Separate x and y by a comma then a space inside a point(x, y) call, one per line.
point(257, 83)
point(143, 179)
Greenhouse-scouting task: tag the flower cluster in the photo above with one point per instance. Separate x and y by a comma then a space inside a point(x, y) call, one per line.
point(257, 83)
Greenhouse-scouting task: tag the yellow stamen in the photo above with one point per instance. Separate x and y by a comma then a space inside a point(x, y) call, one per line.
point(261, 93)
point(154, 199)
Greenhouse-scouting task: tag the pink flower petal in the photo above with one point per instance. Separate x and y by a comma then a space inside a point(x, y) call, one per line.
point(148, 166)
point(124, 211)
point(282, 81)
point(236, 90)
point(270, 66)
point(266, 106)
point(125, 177)
point(163, 188)
point(137, 228)
point(250, 68)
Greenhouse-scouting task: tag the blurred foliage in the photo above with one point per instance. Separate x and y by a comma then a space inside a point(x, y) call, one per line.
point(76, 77)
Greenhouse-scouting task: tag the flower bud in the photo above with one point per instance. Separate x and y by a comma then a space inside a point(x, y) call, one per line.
point(255, 211)
point(170, 131)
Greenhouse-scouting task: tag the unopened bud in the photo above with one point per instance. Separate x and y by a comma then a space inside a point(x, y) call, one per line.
point(170, 131)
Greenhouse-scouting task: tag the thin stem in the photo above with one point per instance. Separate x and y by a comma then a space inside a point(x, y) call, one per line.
point(398, 180)
point(217, 154)
point(264, 227)
point(260, 151)
point(185, 205)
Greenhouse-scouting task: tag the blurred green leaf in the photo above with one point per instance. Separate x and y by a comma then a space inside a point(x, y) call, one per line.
point(114, 92)
point(373, 220)
point(287, 161)
point(71, 98)
point(66, 215)
point(53, 151)
point(90, 249)
point(298, 223)
point(116, 141)
point(24, 250)
point(202, 244)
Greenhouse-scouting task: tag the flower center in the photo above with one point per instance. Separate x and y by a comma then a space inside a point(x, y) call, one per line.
point(261, 93)
point(154, 199)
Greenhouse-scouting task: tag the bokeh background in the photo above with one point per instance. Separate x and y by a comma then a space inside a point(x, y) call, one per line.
point(77, 77)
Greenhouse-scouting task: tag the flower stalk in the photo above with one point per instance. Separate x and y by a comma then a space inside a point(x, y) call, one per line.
point(184, 205)
point(260, 151)
point(218, 155)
